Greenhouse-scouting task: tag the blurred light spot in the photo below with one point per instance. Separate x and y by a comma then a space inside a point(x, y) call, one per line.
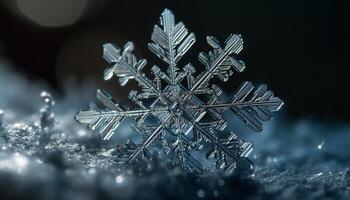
point(81, 133)
point(107, 153)
point(272, 160)
point(320, 146)
point(119, 179)
point(221, 182)
point(316, 175)
point(52, 13)
point(20, 161)
point(215, 193)
point(16, 163)
point(256, 156)
point(20, 126)
point(92, 171)
point(129, 172)
point(36, 124)
point(201, 193)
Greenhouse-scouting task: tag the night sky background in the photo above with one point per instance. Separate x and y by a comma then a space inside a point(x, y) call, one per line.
point(299, 48)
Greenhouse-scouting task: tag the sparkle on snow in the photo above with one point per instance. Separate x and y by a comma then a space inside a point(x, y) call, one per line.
point(179, 111)
point(320, 146)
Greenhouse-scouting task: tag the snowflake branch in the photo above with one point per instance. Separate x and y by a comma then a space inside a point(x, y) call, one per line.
point(257, 108)
point(219, 146)
point(276, 103)
point(149, 140)
point(214, 62)
point(171, 42)
point(126, 67)
point(92, 115)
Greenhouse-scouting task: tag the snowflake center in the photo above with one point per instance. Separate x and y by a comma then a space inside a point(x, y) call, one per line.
point(176, 108)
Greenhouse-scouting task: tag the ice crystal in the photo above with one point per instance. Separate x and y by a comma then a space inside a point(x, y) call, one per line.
point(178, 111)
point(47, 117)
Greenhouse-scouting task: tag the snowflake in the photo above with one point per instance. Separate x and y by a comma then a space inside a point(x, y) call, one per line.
point(178, 112)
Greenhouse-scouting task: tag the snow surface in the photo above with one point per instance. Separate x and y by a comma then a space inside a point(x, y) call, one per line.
point(305, 159)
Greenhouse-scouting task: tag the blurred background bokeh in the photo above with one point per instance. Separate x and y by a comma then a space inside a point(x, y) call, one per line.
point(299, 48)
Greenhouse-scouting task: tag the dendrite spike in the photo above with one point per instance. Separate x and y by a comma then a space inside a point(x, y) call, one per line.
point(109, 52)
point(128, 47)
point(212, 41)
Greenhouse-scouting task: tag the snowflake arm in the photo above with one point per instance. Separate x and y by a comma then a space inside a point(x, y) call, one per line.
point(124, 153)
point(218, 62)
point(102, 116)
point(171, 42)
point(106, 115)
point(257, 108)
point(126, 67)
point(229, 153)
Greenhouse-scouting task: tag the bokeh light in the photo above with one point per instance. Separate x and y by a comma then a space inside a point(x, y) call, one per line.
point(16, 163)
point(119, 179)
point(52, 13)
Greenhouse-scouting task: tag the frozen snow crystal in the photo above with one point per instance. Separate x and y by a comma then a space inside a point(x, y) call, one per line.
point(47, 117)
point(179, 111)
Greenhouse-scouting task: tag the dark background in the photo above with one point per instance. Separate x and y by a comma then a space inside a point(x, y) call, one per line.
point(299, 48)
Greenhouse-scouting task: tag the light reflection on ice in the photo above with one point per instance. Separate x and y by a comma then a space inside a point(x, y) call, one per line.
point(16, 163)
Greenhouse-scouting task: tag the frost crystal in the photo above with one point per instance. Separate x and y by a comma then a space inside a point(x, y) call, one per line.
point(47, 117)
point(178, 111)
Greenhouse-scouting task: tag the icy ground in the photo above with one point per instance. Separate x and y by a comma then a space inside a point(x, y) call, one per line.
point(304, 159)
